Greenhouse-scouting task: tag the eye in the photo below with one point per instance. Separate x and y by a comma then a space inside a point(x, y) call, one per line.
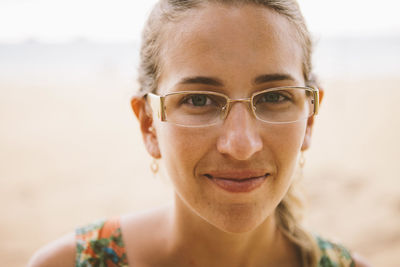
point(272, 97)
point(197, 100)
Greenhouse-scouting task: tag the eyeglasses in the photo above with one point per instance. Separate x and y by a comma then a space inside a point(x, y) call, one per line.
point(206, 108)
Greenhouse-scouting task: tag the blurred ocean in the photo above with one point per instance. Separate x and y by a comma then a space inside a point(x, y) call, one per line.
point(78, 61)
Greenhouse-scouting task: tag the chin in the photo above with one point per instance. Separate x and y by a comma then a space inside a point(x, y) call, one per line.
point(240, 218)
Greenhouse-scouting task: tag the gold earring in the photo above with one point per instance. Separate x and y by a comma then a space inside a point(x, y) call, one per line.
point(154, 166)
point(302, 160)
point(151, 129)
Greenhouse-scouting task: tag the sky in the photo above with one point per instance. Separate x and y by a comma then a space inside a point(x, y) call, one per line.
point(122, 20)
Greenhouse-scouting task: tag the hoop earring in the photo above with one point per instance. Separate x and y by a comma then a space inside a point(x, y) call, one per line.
point(154, 166)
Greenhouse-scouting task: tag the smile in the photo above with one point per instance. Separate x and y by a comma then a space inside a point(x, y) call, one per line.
point(238, 185)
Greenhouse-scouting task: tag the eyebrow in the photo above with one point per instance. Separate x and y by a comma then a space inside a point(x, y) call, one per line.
point(265, 78)
point(217, 82)
point(202, 80)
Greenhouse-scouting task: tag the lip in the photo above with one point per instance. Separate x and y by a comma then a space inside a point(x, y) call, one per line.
point(237, 181)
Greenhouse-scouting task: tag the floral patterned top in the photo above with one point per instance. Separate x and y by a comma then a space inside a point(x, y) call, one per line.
point(100, 245)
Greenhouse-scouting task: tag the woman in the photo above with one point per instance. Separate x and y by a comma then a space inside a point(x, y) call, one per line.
point(227, 101)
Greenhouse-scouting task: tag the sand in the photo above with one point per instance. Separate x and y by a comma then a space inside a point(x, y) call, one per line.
point(72, 153)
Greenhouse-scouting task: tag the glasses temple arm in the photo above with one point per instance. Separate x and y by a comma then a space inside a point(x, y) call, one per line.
point(316, 101)
point(157, 105)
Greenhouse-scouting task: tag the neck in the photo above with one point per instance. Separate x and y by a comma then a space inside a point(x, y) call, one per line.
point(195, 242)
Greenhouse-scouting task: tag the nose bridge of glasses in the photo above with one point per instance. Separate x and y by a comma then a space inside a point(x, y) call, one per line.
point(230, 103)
point(248, 100)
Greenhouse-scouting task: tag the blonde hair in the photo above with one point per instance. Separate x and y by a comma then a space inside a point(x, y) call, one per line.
point(289, 211)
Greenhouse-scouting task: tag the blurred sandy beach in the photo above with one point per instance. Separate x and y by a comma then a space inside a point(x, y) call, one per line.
point(71, 152)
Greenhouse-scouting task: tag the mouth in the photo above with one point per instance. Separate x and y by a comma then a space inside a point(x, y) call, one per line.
point(238, 183)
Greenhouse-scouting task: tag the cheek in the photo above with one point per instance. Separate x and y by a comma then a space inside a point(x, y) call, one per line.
point(285, 144)
point(182, 148)
point(289, 137)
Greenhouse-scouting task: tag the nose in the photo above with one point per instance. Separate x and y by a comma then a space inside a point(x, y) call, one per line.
point(239, 137)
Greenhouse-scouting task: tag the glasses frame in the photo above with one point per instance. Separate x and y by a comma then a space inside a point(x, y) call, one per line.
point(157, 103)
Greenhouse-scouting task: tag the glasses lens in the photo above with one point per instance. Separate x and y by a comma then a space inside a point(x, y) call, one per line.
point(194, 108)
point(284, 104)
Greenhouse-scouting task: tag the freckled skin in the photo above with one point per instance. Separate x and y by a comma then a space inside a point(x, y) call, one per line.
point(235, 53)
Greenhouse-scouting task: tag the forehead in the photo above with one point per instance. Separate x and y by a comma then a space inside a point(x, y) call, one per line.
point(231, 43)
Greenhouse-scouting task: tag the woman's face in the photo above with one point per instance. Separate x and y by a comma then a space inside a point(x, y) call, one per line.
point(234, 174)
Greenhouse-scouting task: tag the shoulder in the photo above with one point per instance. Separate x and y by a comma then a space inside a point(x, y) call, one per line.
point(335, 254)
point(360, 261)
point(58, 253)
point(100, 243)
point(91, 245)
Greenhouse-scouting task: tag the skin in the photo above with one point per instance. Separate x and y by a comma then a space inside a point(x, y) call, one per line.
point(236, 55)
point(207, 226)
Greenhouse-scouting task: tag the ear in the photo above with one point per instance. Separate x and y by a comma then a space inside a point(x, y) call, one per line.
point(143, 113)
point(310, 123)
